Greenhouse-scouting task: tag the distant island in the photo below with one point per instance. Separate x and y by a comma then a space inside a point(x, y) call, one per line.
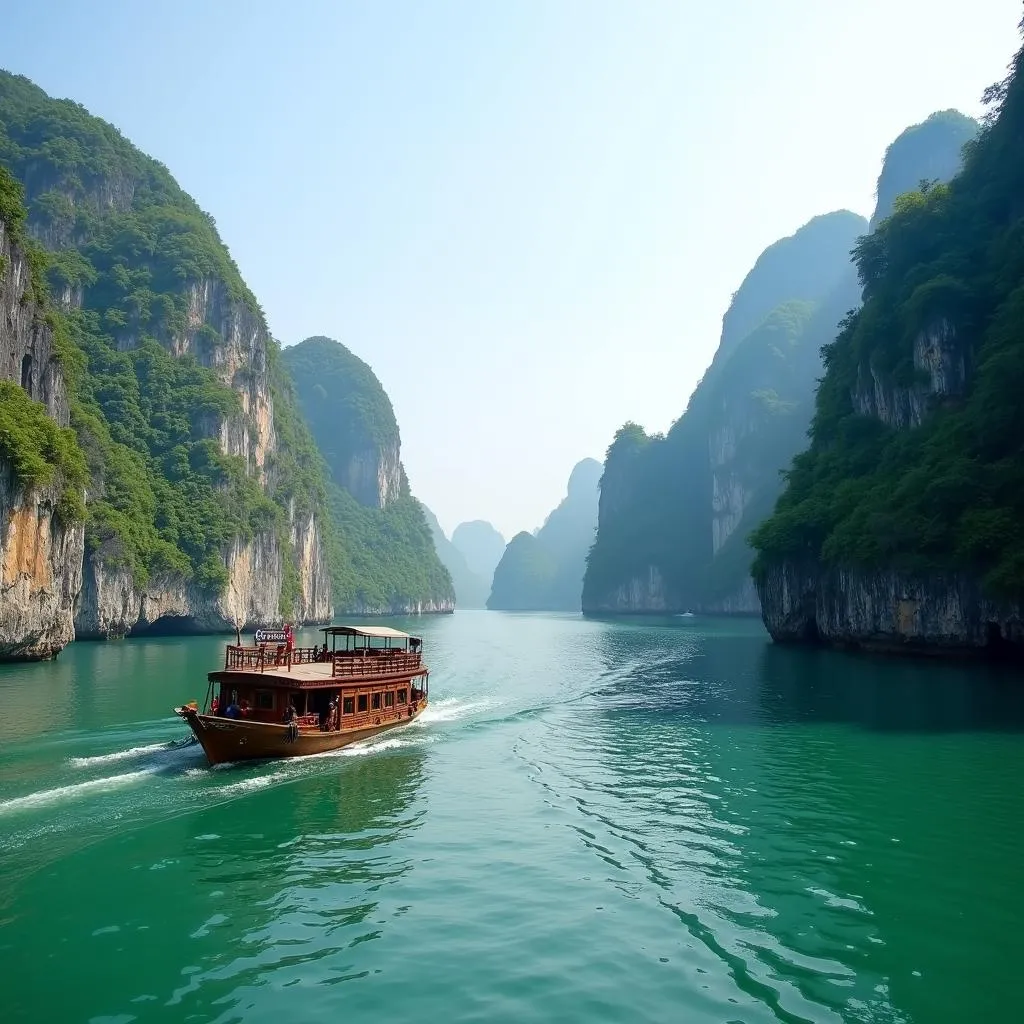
point(544, 571)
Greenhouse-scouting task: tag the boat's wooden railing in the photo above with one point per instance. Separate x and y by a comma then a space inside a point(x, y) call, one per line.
point(375, 662)
point(269, 656)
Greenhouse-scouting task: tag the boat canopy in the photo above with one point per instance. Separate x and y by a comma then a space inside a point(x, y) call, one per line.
point(376, 632)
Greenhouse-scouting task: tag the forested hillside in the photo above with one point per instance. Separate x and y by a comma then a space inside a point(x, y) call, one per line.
point(381, 550)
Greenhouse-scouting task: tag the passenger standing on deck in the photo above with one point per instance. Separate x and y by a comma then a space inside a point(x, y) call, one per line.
point(289, 637)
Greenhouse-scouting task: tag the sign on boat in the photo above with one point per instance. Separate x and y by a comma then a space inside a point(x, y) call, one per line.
point(276, 700)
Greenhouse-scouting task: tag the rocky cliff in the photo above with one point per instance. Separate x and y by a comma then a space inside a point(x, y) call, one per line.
point(382, 554)
point(899, 526)
point(676, 512)
point(203, 509)
point(544, 572)
point(888, 610)
point(40, 553)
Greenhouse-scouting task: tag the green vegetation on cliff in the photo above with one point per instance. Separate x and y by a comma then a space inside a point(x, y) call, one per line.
point(39, 450)
point(381, 558)
point(343, 402)
point(163, 496)
point(940, 331)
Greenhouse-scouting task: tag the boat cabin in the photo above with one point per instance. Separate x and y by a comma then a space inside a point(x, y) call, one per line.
point(359, 678)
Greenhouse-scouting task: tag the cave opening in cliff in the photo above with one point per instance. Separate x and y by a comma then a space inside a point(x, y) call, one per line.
point(26, 372)
point(168, 625)
point(996, 645)
point(810, 633)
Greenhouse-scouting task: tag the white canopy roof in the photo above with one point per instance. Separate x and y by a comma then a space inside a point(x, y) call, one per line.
point(380, 632)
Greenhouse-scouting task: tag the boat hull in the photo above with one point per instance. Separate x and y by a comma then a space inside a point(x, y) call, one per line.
point(231, 739)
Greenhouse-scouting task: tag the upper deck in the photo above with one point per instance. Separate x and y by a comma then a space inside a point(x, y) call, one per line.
point(384, 654)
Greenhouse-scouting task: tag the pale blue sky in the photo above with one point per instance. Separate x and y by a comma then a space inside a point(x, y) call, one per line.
point(527, 216)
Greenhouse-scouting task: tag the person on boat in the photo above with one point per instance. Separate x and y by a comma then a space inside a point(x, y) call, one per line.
point(324, 654)
point(289, 637)
point(232, 711)
point(332, 714)
point(215, 707)
point(291, 719)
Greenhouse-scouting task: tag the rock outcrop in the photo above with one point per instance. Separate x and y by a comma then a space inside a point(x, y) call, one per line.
point(886, 610)
point(40, 557)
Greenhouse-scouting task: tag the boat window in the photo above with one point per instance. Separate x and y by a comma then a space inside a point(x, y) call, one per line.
point(265, 700)
point(362, 702)
point(402, 696)
point(389, 699)
point(348, 705)
point(376, 702)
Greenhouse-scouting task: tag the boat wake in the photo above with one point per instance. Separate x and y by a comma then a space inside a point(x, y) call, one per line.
point(120, 755)
point(61, 793)
point(449, 710)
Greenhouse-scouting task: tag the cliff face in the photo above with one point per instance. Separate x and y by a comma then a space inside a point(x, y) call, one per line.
point(545, 572)
point(899, 526)
point(888, 611)
point(40, 557)
point(112, 604)
point(201, 512)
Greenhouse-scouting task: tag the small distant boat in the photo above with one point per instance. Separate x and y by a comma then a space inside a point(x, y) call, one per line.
point(686, 615)
point(275, 700)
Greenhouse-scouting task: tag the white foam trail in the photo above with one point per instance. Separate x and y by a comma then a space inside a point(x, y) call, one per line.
point(50, 796)
point(448, 710)
point(247, 785)
point(119, 755)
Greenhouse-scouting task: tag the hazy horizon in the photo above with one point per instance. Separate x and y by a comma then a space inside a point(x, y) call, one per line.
point(528, 218)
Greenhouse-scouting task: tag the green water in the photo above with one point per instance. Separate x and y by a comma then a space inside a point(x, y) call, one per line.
point(671, 821)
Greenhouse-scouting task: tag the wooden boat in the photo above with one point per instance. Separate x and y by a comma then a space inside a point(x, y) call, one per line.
point(274, 700)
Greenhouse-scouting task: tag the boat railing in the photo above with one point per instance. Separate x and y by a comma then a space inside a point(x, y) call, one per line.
point(269, 656)
point(375, 663)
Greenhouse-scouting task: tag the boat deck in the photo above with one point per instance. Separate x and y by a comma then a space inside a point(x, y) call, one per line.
point(305, 668)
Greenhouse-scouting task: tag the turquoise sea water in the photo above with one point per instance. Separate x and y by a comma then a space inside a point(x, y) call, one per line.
point(666, 820)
